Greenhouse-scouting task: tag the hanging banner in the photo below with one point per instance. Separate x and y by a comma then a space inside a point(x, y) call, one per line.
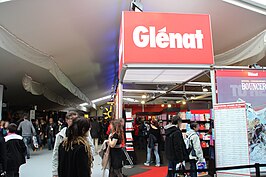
point(249, 87)
point(1, 100)
point(165, 38)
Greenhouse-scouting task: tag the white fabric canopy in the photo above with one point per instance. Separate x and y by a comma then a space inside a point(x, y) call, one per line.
point(36, 88)
point(247, 53)
point(18, 47)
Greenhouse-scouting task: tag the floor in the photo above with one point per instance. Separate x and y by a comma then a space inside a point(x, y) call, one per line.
point(40, 165)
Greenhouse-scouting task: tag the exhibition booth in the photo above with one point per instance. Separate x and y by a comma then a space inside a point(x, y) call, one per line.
point(227, 101)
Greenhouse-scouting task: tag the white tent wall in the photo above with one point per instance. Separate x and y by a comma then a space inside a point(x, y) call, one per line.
point(19, 48)
point(248, 53)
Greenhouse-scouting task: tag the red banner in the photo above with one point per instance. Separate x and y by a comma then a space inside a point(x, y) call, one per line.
point(165, 38)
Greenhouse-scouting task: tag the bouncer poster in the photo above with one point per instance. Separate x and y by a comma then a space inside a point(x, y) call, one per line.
point(250, 87)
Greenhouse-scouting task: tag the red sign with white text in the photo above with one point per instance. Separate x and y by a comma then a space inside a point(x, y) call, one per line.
point(165, 38)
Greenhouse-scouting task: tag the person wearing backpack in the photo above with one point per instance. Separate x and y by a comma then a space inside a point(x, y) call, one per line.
point(153, 143)
point(195, 154)
point(174, 145)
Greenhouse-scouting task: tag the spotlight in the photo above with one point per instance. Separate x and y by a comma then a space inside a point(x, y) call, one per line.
point(169, 105)
point(255, 66)
point(136, 6)
point(142, 102)
point(205, 89)
point(144, 96)
point(184, 102)
point(185, 97)
point(162, 105)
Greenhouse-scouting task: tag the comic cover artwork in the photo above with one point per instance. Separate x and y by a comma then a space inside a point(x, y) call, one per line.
point(248, 87)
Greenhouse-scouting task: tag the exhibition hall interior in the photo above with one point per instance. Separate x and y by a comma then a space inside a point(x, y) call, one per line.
point(136, 88)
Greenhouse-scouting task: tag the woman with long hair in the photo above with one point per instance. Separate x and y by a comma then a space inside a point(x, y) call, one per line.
point(75, 158)
point(116, 140)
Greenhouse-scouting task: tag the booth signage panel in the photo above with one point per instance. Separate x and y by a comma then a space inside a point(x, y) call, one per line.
point(231, 138)
point(165, 38)
point(250, 87)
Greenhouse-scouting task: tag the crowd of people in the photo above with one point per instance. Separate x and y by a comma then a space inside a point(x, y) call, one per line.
point(75, 140)
point(178, 150)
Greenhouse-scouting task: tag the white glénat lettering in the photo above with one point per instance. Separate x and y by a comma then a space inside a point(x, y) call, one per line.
point(143, 37)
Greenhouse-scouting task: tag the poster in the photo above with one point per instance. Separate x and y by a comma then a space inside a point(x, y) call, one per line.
point(1, 100)
point(250, 87)
point(231, 143)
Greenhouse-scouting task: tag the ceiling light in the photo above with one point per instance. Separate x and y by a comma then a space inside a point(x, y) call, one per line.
point(184, 102)
point(142, 102)
point(254, 5)
point(144, 96)
point(131, 100)
point(169, 105)
point(84, 104)
point(162, 105)
point(102, 99)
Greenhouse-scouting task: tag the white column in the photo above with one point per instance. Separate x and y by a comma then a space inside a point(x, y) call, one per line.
point(120, 90)
point(213, 84)
point(1, 98)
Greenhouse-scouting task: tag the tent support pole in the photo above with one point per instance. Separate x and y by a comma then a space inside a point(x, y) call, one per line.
point(213, 86)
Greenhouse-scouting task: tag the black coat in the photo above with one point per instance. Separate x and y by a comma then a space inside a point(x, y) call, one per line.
point(16, 151)
point(73, 163)
point(175, 148)
point(51, 130)
point(95, 129)
point(3, 155)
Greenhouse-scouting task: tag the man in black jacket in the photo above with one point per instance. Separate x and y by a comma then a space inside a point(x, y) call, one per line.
point(174, 145)
point(16, 151)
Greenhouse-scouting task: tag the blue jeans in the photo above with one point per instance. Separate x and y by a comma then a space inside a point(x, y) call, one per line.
point(27, 142)
point(171, 166)
point(51, 141)
point(156, 153)
point(193, 166)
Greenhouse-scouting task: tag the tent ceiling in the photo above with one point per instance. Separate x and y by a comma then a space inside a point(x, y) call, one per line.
point(82, 36)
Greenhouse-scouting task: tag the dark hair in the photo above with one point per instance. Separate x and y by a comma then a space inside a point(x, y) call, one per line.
point(176, 119)
point(12, 128)
point(118, 129)
point(155, 123)
point(79, 128)
point(193, 125)
point(25, 115)
point(76, 135)
point(71, 113)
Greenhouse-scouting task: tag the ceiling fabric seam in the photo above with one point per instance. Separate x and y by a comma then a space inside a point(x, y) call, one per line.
point(23, 50)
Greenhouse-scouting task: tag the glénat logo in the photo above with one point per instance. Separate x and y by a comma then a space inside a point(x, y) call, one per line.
point(253, 74)
point(143, 37)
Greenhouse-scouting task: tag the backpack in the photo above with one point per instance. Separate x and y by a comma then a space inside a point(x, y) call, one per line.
point(143, 131)
point(189, 145)
point(169, 142)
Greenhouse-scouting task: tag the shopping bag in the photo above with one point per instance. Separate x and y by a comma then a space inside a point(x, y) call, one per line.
point(35, 142)
point(182, 167)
